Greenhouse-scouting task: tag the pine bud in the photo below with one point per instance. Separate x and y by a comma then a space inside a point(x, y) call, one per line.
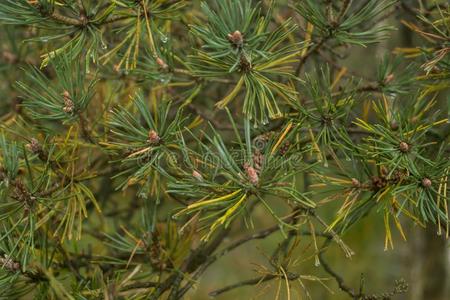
point(394, 125)
point(161, 63)
point(404, 147)
point(251, 174)
point(378, 182)
point(389, 78)
point(426, 182)
point(236, 38)
point(9, 264)
point(153, 137)
point(68, 103)
point(34, 146)
point(197, 175)
point(244, 64)
point(355, 182)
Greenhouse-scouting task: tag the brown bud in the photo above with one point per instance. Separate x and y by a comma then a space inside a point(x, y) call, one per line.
point(34, 146)
point(426, 182)
point(394, 125)
point(404, 147)
point(161, 63)
point(9, 264)
point(389, 78)
point(236, 38)
point(378, 182)
point(66, 94)
point(244, 64)
point(68, 103)
point(355, 182)
point(153, 137)
point(197, 175)
point(251, 174)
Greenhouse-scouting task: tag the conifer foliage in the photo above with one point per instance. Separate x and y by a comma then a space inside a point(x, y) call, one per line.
point(143, 140)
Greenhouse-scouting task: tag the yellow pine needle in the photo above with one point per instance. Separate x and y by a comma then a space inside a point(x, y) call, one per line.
point(316, 248)
point(409, 215)
point(286, 279)
point(334, 179)
point(316, 147)
point(387, 108)
point(109, 55)
point(442, 188)
point(399, 227)
point(131, 275)
point(222, 103)
point(227, 214)
point(428, 36)
point(133, 252)
point(383, 194)
point(348, 203)
point(318, 185)
point(230, 211)
point(90, 195)
point(139, 152)
point(215, 200)
point(134, 238)
point(277, 63)
point(388, 239)
point(334, 223)
point(136, 46)
point(309, 31)
point(280, 139)
point(425, 127)
point(196, 122)
point(339, 76)
point(409, 52)
point(150, 36)
point(366, 110)
point(363, 124)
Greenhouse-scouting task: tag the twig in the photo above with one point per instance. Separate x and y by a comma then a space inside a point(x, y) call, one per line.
point(291, 276)
point(340, 281)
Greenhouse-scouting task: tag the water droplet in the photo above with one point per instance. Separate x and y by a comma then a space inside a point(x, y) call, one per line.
point(165, 79)
point(164, 38)
point(104, 46)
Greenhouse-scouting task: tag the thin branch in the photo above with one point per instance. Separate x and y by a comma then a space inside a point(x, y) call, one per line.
point(255, 281)
point(340, 281)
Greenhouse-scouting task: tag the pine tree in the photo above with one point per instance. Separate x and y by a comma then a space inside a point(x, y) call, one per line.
point(143, 140)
